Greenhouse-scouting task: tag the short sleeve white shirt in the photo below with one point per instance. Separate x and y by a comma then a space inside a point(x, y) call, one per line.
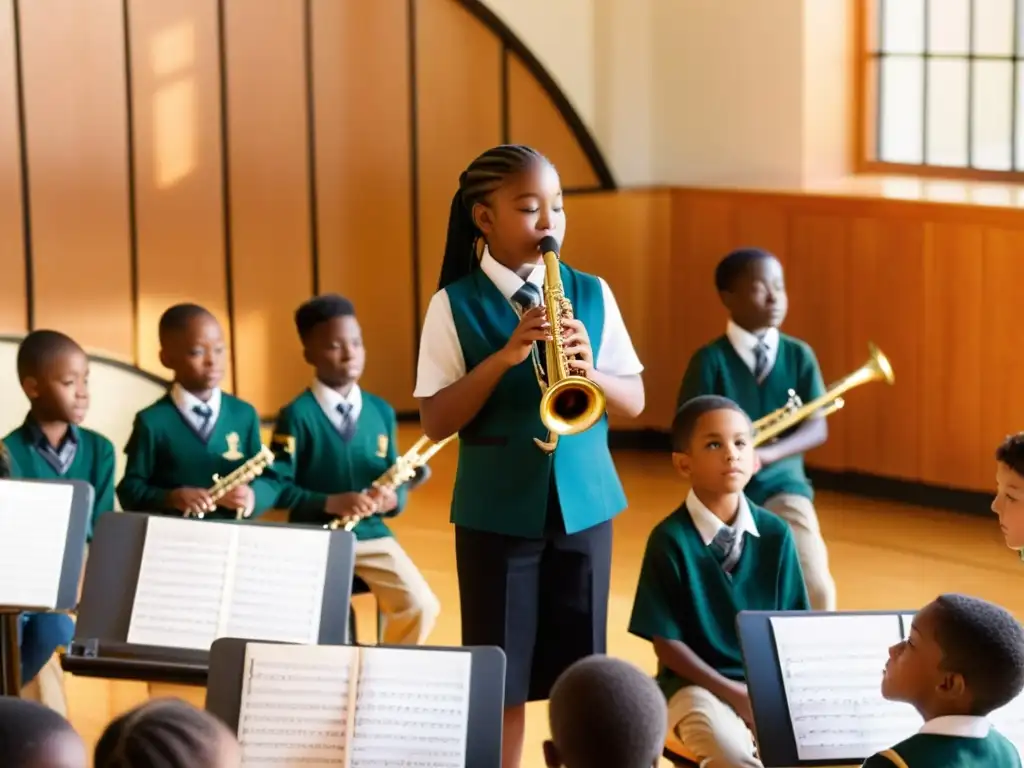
point(441, 362)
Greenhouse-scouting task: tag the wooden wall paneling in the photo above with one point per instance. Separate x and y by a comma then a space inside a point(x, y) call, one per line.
point(363, 155)
point(1002, 367)
point(761, 224)
point(178, 164)
point(13, 303)
point(534, 120)
point(270, 228)
point(458, 116)
point(950, 336)
point(73, 58)
point(886, 262)
point(817, 314)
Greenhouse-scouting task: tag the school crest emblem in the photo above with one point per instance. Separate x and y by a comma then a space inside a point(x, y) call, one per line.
point(382, 446)
point(232, 453)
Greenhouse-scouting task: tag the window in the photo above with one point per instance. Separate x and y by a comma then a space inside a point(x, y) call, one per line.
point(942, 88)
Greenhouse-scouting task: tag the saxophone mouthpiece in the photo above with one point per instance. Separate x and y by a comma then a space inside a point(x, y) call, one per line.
point(549, 245)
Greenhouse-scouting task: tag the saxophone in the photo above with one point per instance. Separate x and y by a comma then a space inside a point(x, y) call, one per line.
point(570, 404)
point(244, 474)
point(399, 473)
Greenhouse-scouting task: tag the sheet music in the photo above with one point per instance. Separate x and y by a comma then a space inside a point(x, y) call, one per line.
point(278, 584)
point(201, 581)
point(181, 583)
point(832, 673)
point(34, 519)
point(412, 709)
point(294, 705)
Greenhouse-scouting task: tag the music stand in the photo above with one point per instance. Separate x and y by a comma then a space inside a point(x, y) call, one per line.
point(45, 523)
point(486, 693)
point(101, 647)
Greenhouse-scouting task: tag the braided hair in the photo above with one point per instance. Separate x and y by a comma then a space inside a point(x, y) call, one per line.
point(162, 733)
point(480, 179)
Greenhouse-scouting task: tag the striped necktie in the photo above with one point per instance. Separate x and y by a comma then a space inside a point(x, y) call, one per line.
point(205, 413)
point(760, 359)
point(527, 297)
point(348, 424)
point(727, 546)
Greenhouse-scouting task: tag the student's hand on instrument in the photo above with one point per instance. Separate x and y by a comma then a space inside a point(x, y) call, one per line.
point(533, 326)
point(190, 500)
point(385, 498)
point(242, 497)
point(758, 462)
point(350, 505)
point(577, 348)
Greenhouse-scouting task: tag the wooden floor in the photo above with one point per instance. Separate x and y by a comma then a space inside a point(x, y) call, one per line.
point(884, 556)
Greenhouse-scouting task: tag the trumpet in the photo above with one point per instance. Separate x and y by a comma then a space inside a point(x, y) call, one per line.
point(570, 404)
point(877, 368)
point(244, 474)
point(399, 473)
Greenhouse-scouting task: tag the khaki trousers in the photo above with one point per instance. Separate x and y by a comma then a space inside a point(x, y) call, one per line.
point(408, 606)
point(711, 729)
point(799, 512)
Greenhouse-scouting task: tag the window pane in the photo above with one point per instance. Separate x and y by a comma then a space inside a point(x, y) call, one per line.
point(993, 27)
point(991, 115)
point(1020, 119)
point(948, 25)
point(947, 112)
point(902, 87)
point(902, 26)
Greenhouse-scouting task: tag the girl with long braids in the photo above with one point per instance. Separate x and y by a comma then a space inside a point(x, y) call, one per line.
point(532, 528)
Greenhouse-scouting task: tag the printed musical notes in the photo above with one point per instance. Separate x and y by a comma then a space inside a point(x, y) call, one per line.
point(201, 581)
point(352, 707)
point(832, 672)
point(34, 519)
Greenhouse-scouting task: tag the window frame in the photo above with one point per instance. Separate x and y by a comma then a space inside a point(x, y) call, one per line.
point(865, 94)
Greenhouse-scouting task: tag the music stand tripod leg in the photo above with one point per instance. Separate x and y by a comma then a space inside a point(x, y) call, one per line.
point(10, 655)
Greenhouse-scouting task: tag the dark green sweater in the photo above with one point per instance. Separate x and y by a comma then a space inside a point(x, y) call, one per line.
point(312, 461)
point(717, 369)
point(931, 750)
point(683, 593)
point(165, 453)
point(94, 463)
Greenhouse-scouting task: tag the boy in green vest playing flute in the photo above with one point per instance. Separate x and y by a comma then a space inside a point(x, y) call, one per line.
point(332, 442)
point(756, 366)
point(532, 528)
point(51, 444)
point(963, 659)
point(193, 432)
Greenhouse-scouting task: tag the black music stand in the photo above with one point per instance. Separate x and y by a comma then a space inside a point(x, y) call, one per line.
point(776, 742)
point(20, 498)
point(486, 693)
point(100, 647)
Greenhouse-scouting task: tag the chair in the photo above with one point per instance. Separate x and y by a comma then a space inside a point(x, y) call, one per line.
point(677, 754)
point(360, 587)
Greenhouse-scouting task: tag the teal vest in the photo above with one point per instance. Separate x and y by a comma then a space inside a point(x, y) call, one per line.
point(504, 479)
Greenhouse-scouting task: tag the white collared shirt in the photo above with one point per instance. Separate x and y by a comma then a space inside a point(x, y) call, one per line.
point(708, 523)
point(744, 342)
point(966, 726)
point(185, 401)
point(441, 362)
point(329, 400)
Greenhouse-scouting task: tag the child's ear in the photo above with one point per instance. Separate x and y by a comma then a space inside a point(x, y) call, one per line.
point(483, 217)
point(953, 686)
point(681, 461)
point(30, 386)
point(305, 355)
point(165, 360)
point(551, 757)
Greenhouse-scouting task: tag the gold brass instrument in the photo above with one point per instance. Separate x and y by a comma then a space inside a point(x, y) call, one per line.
point(877, 368)
point(570, 404)
point(399, 473)
point(241, 476)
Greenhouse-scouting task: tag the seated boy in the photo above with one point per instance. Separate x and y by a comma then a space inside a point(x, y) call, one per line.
point(963, 659)
point(51, 445)
point(332, 442)
point(756, 366)
point(194, 432)
point(33, 736)
point(1009, 501)
point(716, 555)
point(605, 712)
